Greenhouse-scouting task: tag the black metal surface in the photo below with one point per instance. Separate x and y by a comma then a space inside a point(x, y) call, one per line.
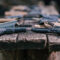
point(46, 30)
point(11, 30)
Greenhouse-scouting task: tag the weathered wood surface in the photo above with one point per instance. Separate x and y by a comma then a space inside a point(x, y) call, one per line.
point(30, 45)
point(23, 40)
point(32, 40)
point(54, 42)
point(8, 38)
point(8, 41)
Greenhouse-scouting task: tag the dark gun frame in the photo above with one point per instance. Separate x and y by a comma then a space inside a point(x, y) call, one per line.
point(46, 30)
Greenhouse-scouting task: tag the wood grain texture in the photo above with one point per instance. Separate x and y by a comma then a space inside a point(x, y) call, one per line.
point(23, 41)
point(54, 39)
point(31, 40)
point(54, 42)
point(33, 44)
point(8, 38)
point(8, 42)
point(31, 36)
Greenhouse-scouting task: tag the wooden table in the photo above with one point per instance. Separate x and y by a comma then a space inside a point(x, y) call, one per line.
point(23, 45)
point(30, 45)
